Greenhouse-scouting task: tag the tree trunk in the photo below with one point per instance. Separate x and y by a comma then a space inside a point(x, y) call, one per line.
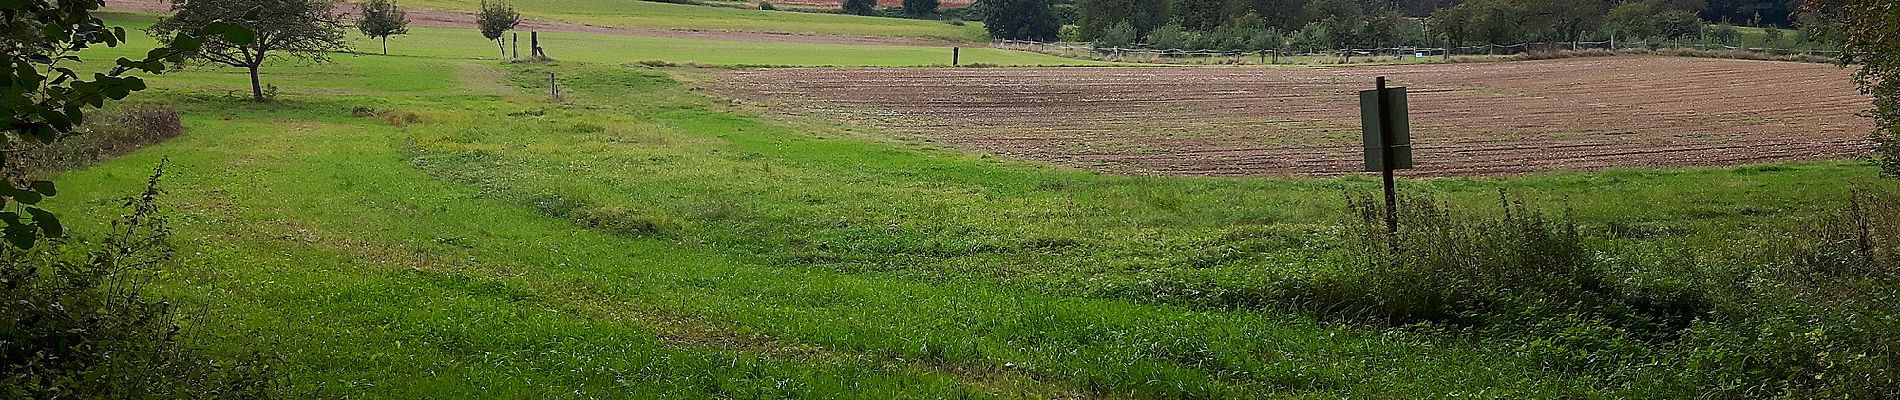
point(385, 45)
point(257, 86)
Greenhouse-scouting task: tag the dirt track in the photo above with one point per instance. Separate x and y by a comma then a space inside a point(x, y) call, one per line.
point(1468, 119)
point(453, 19)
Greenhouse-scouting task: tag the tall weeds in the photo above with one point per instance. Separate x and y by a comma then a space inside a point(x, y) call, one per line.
point(78, 324)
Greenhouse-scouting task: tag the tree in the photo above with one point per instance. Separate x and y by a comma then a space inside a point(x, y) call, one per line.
point(496, 19)
point(1175, 37)
point(1121, 35)
point(46, 99)
point(921, 8)
point(1022, 20)
point(382, 19)
point(1677, 25)
point(860, 7)
point(304, 29)
point(1870, 38)
point(1197, 15)
point(1096, 17)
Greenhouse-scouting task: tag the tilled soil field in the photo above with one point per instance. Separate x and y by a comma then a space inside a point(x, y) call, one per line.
point(1468, 119)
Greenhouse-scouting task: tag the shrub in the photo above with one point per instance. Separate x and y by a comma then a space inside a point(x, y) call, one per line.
point(860, 7)
point(1121, 35)
point(920, 8)
point(767, 6)
point(1174, 36)
point(83, 328)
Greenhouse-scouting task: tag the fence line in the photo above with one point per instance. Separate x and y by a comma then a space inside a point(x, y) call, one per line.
point(1487, 49)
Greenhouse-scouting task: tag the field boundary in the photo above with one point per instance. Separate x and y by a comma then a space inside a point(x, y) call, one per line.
point(1274, 56)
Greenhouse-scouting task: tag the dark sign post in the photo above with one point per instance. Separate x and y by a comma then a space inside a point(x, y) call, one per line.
point(1388, 138)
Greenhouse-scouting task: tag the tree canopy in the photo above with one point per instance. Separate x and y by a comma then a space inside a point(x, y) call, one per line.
point(1022, 20)
point(304, 29)
point(496, 19)
point(1870, 39)
point(381, 19)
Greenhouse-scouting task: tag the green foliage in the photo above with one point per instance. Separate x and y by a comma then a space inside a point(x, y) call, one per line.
point(1174, 36)
point(1123, 34)
point(86, 328)
point(1721, 33)
point(304, 29)
point(496, 19)
point(47, 99)
point(921, 8)
point(860, 7)
point(1814, 316)
point(1022, 20)
point(1096, 17)
point(1678, 25)
point(1869, 32)
point(381, 19)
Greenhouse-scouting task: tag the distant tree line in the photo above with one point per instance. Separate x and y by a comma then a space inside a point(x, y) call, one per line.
point(1329, 24)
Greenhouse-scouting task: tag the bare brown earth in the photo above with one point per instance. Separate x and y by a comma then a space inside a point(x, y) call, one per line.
point(454, 19)
point(1468, 119)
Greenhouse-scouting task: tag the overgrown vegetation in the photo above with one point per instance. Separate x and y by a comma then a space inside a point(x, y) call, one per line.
point(1870, 31)
point(104, 137)
point(80, 322)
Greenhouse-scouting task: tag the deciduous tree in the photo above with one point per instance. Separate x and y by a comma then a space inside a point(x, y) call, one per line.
point(303, 29)
point(860, 7)
point(1870, 38)
point(496, 19)
point(1022, 20)
point(382, 19)
point(921, 8)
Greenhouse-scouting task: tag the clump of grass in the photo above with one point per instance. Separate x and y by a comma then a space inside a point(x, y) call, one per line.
point(1448, 265)
point(104, 137)
point(1819, 319)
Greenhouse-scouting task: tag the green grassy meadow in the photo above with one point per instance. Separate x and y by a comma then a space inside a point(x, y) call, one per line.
point(658, 15)
point(643, 240)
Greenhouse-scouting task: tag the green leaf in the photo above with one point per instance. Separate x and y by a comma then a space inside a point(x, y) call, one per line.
point(48, 223)
point(234, 33)
point(22, 236)
point(44, 187)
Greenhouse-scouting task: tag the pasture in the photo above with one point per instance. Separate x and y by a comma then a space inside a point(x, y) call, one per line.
point(1470, 119)
point(431, 224)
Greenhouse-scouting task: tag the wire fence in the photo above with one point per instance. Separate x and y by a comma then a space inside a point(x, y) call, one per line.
point(1275, 55)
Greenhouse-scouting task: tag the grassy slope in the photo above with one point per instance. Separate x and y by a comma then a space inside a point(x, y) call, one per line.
point(444, 43)
point(648, 14)
point(730, 256)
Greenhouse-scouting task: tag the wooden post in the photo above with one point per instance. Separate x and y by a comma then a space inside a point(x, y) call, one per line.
point(517, 44)
point(1387, 137)
point(534, 45)
point(956, 56)
point(554, 88)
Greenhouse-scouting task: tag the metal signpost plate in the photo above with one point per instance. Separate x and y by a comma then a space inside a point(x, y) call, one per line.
point(1401, 130)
